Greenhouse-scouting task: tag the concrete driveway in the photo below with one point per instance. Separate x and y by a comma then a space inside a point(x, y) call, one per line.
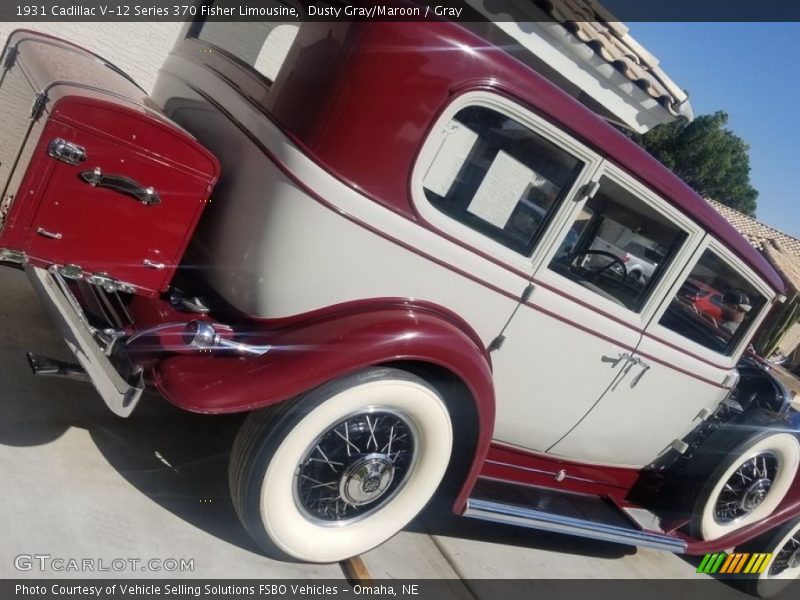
point(81, 483)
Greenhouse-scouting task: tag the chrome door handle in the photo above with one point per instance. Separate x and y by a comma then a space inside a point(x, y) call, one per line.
point(122, 184)
point(625, 370)
point(645, 369)
point(622, 357)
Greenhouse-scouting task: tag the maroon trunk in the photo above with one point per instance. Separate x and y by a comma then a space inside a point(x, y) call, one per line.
point(92, 175)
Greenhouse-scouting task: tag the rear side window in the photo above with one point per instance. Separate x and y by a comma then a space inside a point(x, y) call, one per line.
point(721, 316)
point(497, 176)
point(261, 45)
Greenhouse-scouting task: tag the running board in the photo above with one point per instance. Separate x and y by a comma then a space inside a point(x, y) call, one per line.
point(574, 514)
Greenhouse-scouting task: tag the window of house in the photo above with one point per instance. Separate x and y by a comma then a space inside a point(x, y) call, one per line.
point(497, 176)
point(262, 45)
point(620, 246)
point(715, 306)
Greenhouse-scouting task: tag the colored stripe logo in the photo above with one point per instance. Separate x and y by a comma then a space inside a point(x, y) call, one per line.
point(734, 564)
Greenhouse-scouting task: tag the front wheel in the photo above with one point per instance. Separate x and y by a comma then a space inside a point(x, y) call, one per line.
point(744, 471)
point(342, 468)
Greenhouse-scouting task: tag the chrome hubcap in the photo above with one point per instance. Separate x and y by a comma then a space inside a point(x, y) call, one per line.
point(755, 494)
point(366, 479)
point(356, 466)
point(747, 488)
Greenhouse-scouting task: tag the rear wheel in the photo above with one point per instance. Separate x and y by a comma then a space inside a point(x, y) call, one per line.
point(342, 468)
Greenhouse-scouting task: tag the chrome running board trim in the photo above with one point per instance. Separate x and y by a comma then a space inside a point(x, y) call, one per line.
point(499, 512)
point(120, 395)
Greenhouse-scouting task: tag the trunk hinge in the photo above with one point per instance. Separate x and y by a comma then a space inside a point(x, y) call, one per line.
point(38, 105)
point(497, 342)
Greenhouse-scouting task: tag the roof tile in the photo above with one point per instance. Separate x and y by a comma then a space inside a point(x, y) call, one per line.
point(781, 249)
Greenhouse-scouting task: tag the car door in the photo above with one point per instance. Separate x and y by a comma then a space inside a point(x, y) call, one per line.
point(573, 339)
point(682, 369)
point(508, 183)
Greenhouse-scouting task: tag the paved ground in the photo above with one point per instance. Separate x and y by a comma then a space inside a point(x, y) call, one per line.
point(78, 482)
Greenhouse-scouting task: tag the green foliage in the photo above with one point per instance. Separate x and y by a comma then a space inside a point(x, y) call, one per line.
point(707, 156)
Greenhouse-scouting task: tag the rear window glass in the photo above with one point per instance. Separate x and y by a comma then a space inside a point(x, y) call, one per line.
point(495, 175)
point(261, 45)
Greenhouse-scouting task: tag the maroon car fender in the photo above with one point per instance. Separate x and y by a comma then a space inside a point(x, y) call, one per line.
point(310, 353)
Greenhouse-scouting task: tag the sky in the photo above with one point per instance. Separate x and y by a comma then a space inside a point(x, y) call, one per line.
point(752, 72)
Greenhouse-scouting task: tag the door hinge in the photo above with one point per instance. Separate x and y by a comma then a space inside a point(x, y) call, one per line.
point(38, 105)
point(526, 293)
point(588, 192)
point(11, 57)
point(496, 343)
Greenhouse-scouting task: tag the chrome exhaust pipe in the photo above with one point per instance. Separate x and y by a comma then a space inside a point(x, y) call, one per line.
point(202, 336)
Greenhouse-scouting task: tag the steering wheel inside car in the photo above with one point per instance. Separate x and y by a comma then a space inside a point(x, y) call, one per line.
point(578, 257)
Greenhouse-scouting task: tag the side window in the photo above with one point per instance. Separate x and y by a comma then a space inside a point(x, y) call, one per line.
point(618, 247)
point(715, 305)
point(260, 44)
point(495, 175)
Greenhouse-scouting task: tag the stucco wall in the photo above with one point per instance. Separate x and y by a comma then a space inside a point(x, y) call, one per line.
point(137, 48)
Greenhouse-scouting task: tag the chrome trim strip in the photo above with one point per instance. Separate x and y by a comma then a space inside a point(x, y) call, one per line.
point(541, 471)
point(119, 395)
point(535, 519)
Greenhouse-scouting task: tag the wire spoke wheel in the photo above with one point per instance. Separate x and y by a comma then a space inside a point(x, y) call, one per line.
point(343, 467)
point(788, 557)
point(355, 466)
point(747, 487)
point(740, 475)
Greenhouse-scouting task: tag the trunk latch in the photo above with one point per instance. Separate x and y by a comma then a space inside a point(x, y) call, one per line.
point(67, 152)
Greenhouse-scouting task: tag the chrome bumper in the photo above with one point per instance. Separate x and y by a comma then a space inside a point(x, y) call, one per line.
point(121, 394)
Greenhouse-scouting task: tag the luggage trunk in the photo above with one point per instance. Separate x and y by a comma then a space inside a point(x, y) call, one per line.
point(92, 175)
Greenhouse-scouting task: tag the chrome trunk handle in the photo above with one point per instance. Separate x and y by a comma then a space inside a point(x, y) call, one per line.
point(122, 184)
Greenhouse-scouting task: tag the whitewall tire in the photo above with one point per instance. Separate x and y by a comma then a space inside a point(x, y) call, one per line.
point(783, 543)
point(343, 468)
point(744, 474)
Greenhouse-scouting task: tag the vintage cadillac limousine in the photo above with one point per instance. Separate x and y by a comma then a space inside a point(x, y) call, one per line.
point(389, 253)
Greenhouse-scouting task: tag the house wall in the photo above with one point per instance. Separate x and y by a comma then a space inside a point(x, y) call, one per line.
point(137, 48)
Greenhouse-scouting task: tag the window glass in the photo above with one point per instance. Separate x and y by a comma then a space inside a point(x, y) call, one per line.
point(618, 247)
point(260, 44)
point(498, 177)
point(715, 306)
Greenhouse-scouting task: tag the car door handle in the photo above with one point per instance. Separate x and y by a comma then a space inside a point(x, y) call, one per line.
point(615, 360)
point(122, 184)
point(645, 369)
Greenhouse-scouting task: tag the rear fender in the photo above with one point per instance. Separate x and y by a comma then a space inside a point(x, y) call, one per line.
point(308, 354)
